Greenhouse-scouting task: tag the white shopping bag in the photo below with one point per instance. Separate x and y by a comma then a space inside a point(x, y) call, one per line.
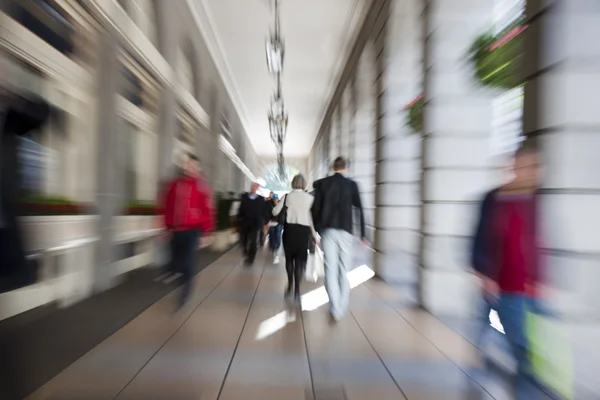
point(310, 274)
point(319, 262)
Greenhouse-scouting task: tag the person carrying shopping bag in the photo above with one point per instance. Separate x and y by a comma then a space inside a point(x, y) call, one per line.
point(298, 231)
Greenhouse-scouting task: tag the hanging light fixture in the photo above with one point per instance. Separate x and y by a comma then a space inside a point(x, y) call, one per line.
point(278, 118)
point(275, 47)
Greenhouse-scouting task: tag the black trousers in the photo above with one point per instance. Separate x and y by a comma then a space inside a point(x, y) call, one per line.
point(250, 242)
point(184, 248)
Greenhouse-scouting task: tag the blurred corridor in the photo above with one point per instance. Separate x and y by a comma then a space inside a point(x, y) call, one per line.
point(104, 103)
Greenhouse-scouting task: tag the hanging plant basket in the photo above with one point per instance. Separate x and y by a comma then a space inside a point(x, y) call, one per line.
point(497, 58)
point(414, 115)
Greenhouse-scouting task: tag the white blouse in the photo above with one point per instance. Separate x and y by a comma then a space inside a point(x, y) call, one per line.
point(298, 204)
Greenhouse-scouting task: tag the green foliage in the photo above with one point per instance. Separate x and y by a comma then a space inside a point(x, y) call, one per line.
point(496, 60)
point(414, 117)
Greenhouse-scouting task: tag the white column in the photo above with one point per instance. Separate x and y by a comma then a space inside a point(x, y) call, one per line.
point(363, 166)
point(346, 118)
point(456, 165)
point(561, 111)
point(107, 163)
point(399, 149)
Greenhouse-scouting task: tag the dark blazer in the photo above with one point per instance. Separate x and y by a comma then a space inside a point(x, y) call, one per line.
point(251, 213)
point(481, 250)
point(21, 116)
point(335, 199)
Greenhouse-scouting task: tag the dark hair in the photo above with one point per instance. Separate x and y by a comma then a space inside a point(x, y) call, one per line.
point(339, 164)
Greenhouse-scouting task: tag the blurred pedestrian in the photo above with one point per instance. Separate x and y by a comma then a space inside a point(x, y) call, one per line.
point(188, 214)
point(275, 229)
point(251, 214)
point(335, 199)
point(506, 256)
point(298, 231)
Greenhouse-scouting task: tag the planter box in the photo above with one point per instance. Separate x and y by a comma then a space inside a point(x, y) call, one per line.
point(146, 250)
point(64, 278)
point(48, 231)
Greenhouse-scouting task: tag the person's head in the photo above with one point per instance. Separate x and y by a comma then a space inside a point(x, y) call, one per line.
point(526, 168)
point(190, 165)
point(254, 187)
point(275, 198)
point(299, 182)
point(271, 195)
point(340, 165)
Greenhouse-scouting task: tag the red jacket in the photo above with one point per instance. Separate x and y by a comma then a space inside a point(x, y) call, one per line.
point(188, 205)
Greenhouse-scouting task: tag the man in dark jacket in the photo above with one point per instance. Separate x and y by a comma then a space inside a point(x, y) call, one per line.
point(336, 197)
point(251, 214)
point(18, 116)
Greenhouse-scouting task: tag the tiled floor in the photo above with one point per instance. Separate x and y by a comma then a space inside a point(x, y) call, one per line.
point(238, 340)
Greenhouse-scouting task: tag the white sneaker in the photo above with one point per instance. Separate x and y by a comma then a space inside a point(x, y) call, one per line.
point(276, 260)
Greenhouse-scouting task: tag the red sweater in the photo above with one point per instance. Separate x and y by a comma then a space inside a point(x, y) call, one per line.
point(515, 242)
point(188, 205)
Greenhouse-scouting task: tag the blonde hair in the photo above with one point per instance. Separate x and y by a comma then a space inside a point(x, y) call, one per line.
point(299, 182)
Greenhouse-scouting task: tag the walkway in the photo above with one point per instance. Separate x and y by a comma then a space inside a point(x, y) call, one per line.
point(237, 340)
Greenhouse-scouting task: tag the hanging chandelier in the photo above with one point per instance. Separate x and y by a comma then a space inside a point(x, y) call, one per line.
point(278, 118)
point(275, 47)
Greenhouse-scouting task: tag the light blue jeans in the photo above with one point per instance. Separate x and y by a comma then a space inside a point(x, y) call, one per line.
point(339, 255)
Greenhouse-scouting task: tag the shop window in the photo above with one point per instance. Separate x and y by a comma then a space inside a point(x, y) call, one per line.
point(132, 88)
point(46, 20)
point(129, 142)
point(39, 161)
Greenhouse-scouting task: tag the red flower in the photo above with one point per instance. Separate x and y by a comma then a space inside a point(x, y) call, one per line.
point(412, 103)
point(507, 37)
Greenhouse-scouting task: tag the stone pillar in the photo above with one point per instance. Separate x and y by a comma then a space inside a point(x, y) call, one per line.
point(399, 149)
point(346, 118)
point(334, 138)
point(351, 107)
point(456, 163)
point(168, 100)
point(363, 165)
point(108, 198)
point(561, 112)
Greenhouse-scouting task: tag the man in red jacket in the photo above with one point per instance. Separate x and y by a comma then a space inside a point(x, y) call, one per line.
point(188, 214)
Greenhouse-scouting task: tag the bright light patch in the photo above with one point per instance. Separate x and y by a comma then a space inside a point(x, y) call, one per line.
point(318, 297)
point(311, 301)
point(275, 323)
point(495, 322)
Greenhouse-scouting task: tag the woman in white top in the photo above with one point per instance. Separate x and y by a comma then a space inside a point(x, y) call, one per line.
point(298, 231)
